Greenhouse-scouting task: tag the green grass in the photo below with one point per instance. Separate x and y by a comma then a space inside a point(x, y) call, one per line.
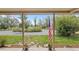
point(10, 39)
point(73, 40)
point(42, 39)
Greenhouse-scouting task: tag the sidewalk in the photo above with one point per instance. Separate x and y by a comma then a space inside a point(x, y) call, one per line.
point(39, 49)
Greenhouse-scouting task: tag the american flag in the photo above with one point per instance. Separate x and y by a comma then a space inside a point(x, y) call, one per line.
point(50, 30)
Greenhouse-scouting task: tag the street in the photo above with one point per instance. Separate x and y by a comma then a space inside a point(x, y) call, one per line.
point(44, 32)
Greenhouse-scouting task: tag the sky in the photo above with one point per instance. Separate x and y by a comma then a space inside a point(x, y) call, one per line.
point(31, 17)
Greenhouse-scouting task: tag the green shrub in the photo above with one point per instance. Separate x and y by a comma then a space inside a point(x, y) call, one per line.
point(2, 42)
point(29, 29)
point(67, 25)
point(34, 29)
point(17, 29)
point(37, 29)
point(3, 26)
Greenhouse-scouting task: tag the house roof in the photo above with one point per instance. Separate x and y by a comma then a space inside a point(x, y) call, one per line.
point(39, 10)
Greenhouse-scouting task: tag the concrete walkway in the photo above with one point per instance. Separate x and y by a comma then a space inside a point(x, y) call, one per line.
point(39, 49)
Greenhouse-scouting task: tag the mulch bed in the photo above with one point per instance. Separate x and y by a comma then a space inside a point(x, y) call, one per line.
point(14, 46)
point(56, 46)
point(66, 46)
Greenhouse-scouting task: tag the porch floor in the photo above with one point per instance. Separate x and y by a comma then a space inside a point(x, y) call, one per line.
point(39, 49)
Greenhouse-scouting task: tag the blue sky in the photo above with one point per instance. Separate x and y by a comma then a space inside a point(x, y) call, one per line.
point(32, 17)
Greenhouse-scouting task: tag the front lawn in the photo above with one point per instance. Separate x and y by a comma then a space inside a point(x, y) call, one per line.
point(9, 39)
point(41, 39)
point(73, 40)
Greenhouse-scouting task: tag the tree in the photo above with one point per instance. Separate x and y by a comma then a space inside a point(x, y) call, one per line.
point(7, 22)
point(46, 22)
point(11, 22)
point(35, 22)
point(41, 23)
point(67, 25)
point(3, 25)
point(26, 22)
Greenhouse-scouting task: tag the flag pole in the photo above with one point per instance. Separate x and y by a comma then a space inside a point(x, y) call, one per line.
point(49, 36)
point(50, 45)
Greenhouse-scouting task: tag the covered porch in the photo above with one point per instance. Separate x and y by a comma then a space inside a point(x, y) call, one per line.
point(54, 11)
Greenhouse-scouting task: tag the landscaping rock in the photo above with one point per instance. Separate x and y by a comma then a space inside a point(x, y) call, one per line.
point(46, 45)
point(32, 43)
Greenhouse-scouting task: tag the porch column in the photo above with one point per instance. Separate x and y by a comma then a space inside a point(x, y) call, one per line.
point(53, 36)
point(25, 46)
point(22, 30)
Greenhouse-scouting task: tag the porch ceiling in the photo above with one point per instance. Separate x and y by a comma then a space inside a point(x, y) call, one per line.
point(39, 10)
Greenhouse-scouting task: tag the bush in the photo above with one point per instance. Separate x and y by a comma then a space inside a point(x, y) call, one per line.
point(29, 29)
point(37, 29)
point(2, 42)
point(17, 29)
point(34, 29)
point(67, 25)
point(3, 26)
